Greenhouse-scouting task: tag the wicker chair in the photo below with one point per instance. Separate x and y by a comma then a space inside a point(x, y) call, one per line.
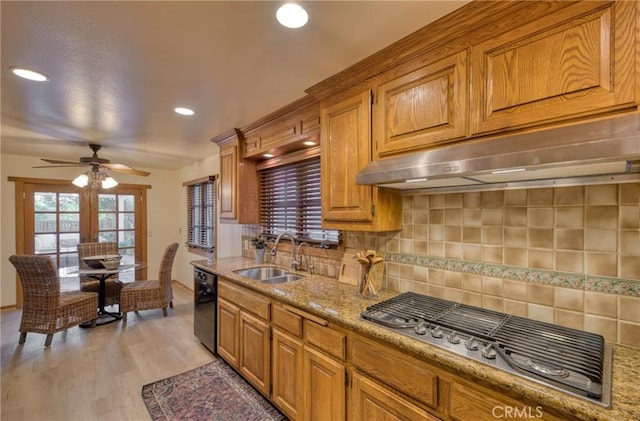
point(112, 285)
point(46, 309)
point(146, 295)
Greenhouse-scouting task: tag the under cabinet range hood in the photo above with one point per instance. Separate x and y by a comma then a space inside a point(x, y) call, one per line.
point(597, 152)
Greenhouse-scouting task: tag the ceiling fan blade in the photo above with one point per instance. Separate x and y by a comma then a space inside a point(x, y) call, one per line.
point(125, 169)
point(55, 161)
point(60, 166)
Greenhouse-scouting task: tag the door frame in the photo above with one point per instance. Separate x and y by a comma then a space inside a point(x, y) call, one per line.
point(20, 196)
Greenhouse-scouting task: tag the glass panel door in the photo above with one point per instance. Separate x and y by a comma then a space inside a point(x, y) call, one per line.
point(55, 217)
point(55, 220)
point(117, 222)
point(56, 232)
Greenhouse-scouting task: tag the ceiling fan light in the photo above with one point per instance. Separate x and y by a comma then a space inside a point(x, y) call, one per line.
point(109, 182)
point(29, 74)
point(292, 16)
point(184, 111)
point(81, 181)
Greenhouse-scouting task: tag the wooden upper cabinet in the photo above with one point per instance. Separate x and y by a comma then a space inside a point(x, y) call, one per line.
point(424, 107)
point(577, 62)
point(238, 186)
point(228, 182)
point(346, 149)
point(284, 130)
point(271, 137)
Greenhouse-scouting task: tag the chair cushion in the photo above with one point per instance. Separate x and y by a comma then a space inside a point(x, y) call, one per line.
point(141, 286)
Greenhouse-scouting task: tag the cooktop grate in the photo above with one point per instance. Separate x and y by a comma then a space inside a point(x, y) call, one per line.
point(564, 356)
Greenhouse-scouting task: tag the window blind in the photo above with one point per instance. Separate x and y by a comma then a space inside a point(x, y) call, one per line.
point(290, 201)
point(201, 213)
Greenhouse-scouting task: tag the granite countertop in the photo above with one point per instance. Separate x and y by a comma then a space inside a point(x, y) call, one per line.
point(340, 304)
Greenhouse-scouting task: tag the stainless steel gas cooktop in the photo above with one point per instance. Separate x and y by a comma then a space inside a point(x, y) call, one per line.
point(569, 360)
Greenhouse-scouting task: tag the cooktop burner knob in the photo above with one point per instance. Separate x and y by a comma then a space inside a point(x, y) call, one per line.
point(436, 332)
point(421, 329)
point(471, 344)
point(488, 352)
point(453, 337)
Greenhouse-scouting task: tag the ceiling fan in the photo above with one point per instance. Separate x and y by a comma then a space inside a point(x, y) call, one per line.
point(95, 162)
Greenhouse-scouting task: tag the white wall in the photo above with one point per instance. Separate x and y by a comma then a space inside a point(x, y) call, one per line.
point(166, 215)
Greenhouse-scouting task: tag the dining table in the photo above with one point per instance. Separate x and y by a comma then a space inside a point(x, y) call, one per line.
point(101, 275)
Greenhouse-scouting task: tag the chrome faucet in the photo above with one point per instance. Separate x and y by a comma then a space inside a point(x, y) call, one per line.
point(274, 250)
point(306, 257)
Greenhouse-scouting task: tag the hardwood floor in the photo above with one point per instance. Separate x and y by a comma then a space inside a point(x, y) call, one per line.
point(96, 374)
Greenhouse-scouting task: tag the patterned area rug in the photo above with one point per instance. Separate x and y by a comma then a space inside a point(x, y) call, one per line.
point(211, 392)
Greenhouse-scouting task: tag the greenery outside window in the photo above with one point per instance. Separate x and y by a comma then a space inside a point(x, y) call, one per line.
point(290, 199)
point(201, 214)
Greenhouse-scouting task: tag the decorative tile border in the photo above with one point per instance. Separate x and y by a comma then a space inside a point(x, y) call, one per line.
point(619, 286)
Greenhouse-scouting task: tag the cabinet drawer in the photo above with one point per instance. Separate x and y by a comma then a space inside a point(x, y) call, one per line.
point(325, 338)
point(408, 375)
point(287, 320)
point(249, 301)
point(473, 404)
point(371, 399)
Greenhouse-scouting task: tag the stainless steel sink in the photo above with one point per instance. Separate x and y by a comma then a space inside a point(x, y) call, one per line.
point(269, 275)
point(282, 279)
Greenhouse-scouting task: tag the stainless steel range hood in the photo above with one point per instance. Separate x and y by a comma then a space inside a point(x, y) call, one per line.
point(604, 151)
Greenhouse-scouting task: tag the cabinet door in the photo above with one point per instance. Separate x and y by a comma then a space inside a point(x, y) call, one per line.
point(371, 402)
point(228, 325)
point(324, 387)
point(346, 149)
point(255, 352)
point(422, 108)
point(576, 62)
point(228, 182)
point(287, 366)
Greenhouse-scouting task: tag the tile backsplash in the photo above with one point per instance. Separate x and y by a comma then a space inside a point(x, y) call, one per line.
point(564, 255)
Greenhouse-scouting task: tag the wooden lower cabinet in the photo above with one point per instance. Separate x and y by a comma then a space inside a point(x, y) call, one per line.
point(287, 368)
point(324, 387)
point(255, 352)
point(300, 362)
point(244, 333)
point(228, 326)
point(370, 401)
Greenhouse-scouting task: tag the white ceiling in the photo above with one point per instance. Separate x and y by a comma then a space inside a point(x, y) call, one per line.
point(118, 68)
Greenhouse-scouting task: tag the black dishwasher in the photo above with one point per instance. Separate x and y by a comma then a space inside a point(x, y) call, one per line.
point(205, 292)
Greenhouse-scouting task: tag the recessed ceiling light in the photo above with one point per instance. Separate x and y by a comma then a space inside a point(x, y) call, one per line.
point(29, 74)
point(184, 111)
point(309, 143)
point(292, 15)
point(268, 155)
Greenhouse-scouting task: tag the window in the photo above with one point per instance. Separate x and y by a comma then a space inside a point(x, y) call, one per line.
point(290, 201)
point(201, 214)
